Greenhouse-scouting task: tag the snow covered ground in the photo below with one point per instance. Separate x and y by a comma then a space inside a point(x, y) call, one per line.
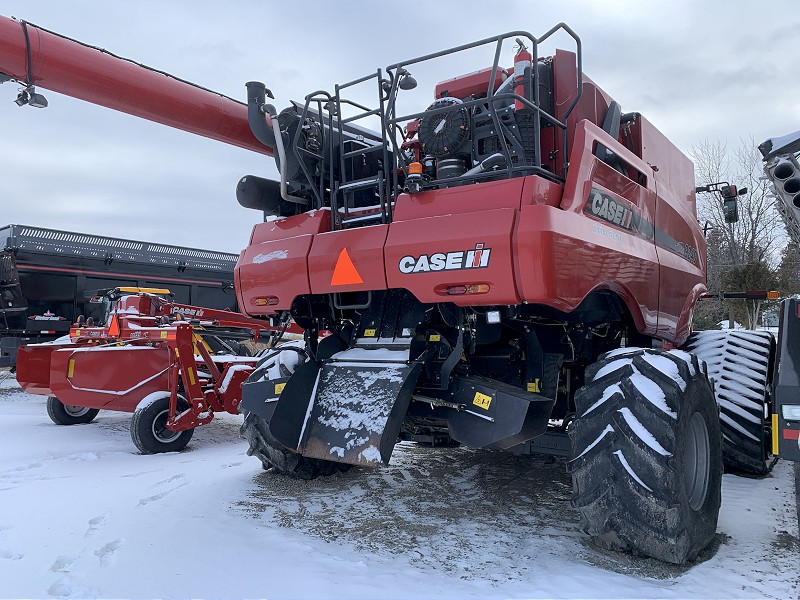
point(83, 515)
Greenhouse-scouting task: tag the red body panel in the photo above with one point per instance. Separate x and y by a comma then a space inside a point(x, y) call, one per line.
point(449, 236)
point(363, 246)
point(74, 69)
point(548, 245)
point(109, 378)
point(33, 367)
point(275, 264)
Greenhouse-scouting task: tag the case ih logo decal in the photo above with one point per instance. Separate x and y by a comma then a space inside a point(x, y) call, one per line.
point(614, 212)
point(477, 258)
point(609, 209)
point(187, 312)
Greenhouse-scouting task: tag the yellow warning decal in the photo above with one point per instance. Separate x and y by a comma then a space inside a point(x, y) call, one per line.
point(71, 368)
point(435, 337)
point(279, 388)
point(775, 434)
point(533, 386)
point(482, 401)
point(163, 335)
point(370, 332)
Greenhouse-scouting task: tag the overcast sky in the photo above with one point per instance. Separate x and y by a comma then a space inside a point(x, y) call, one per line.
point(715, 70)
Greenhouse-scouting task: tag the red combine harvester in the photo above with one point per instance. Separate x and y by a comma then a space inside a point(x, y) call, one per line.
point(172, 365)
point(501, 269)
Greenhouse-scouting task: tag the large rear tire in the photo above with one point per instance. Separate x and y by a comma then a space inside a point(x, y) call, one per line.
point(647, 457)
point(739, 365)
point(273, 455)
point(67, 414)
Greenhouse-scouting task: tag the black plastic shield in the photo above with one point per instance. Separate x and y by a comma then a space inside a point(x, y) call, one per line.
point(357, 412)
point(495, 414)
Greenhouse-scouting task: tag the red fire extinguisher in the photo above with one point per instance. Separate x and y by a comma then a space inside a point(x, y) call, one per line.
point(522, 61)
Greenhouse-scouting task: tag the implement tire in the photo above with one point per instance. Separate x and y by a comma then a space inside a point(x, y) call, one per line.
point(273, 455)
point(67, 414)
point(739, 363)
point(149, 432)
point(647, 454)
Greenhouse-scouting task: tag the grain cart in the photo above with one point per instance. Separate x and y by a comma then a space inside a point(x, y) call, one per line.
point(500, 260)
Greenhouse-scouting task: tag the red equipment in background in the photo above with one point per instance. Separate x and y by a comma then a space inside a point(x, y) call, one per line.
point(149, 348)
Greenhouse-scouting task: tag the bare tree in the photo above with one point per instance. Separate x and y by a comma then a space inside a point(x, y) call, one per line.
point(759, 235)
point(739, 254)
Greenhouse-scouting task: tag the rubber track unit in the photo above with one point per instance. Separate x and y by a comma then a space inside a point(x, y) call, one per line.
point(738, 364)
point(275, 456)
point(632, 467)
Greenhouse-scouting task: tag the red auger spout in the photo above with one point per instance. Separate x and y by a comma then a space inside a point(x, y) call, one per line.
point(35, 56)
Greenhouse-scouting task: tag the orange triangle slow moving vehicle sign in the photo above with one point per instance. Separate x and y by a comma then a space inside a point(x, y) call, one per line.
point(345, 272)
point(113, 329)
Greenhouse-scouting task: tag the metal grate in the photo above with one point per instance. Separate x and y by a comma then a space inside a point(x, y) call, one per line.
point(66, 243)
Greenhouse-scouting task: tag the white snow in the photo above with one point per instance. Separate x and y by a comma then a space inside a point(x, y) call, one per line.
point(630, 470)
point(226, 381)
point(650, 390)
point(82, 515)
point(275, 255)
point(376, 354)
point(642, 432)
point(149, 399)
point(608, 429)
point(607, 393)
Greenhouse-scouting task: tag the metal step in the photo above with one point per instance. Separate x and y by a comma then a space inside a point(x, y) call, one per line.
point(360, 184)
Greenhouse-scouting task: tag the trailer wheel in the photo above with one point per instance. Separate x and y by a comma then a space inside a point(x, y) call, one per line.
point(739, 364)
point(149, 428)
point(273, 455)
point(68, 414)
point(646, 454)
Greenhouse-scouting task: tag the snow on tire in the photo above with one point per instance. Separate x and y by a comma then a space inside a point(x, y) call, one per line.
point(739, 364)
point(646, 454)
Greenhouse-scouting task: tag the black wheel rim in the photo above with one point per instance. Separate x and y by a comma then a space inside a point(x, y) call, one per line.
point(696, 461)
point(160, 431)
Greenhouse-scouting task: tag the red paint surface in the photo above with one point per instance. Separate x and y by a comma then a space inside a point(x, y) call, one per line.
point(68, 67)
point(109, 379)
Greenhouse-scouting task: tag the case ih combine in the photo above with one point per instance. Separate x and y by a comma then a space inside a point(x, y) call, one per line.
point(501, 269)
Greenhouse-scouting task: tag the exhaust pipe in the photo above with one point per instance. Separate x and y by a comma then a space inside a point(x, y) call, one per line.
point(263, 120)
point(259, 113)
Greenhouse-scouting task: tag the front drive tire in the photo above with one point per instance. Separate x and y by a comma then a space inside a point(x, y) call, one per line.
point(647, 454)
point(149, 431)
point(67, 414)
point(273, 455)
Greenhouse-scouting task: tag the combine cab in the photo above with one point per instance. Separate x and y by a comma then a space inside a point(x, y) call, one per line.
point(501, 269)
